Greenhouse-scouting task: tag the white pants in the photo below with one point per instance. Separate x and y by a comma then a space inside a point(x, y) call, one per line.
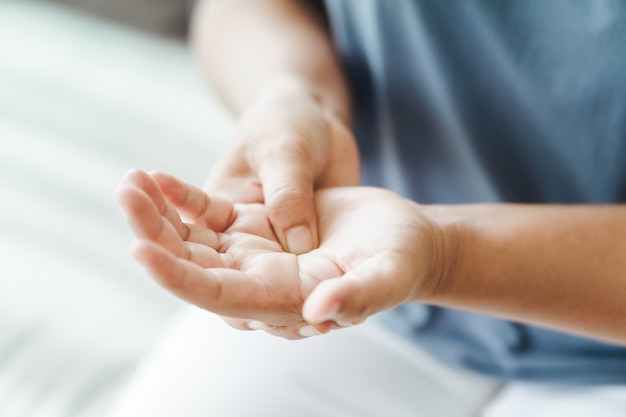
point(203, 368)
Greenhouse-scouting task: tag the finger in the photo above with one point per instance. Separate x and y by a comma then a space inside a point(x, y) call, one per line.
point(204, 256)
point(358, 294)
point(300, 330)
point(213, 212)
point(147, 222)
point(287, 177)
point(203, 236)
point(296, 331)
point(252, 219)
point(146, 183)
point(232, 179)
point(248, 325)
point(226, 292)
point(239, 324)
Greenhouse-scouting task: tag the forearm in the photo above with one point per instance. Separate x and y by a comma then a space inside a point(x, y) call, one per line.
point(248, 46)
point(562, 267)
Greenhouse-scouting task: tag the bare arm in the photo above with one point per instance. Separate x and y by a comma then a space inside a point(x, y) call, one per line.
point(559, 267)
point(562, 267)
point(247, 46)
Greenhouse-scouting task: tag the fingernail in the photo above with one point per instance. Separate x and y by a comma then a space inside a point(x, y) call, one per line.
point(344, 323)
point(308, 331)
point(258, 325)
point(299, 240)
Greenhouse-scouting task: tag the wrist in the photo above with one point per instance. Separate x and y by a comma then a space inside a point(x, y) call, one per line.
point(446, 240)
point(285, 88)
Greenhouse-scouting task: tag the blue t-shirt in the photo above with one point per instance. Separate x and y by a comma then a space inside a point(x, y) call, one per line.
point(490, 100)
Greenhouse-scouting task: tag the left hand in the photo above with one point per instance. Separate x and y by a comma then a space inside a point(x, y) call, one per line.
point(376, 252)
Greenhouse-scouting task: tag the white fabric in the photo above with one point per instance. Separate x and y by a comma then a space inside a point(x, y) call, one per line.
point(204, 368)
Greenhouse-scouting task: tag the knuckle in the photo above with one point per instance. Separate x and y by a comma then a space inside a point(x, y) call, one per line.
point(288, 195)
point(289, 200)
point(280, 145)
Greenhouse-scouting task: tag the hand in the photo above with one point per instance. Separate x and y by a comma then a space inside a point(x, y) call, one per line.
point(286, 146)
point(375, 253)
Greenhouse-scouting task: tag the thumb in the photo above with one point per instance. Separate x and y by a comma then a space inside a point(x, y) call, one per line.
point(360, 293)
point(288, 194)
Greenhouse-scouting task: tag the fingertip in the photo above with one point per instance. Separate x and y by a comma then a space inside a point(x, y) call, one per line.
point(133, 174)
point(124, 195)
point(324, 327)
point(299, 240)
point(338, 300)
point(318, 329)
point(309, 331)
point(259, 325)
point(172, 187)
point(163, 179)
point(119, 193)
point(321, 305)
point(159, 175)
point(141, 250)
point(291, 210)
point(130, 172)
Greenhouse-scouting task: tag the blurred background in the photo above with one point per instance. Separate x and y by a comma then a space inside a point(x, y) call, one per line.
point(88, 89)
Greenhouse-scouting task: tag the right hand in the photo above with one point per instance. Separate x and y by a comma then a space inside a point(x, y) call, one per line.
point(285, 147)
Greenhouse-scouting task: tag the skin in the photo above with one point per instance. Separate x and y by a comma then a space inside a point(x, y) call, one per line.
point(292, 135)
point(561, 267)
point(293, 110)
point(292, 163)
point(229, 260)
point(377, 250)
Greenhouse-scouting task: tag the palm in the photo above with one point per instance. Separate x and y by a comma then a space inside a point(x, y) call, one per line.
point(230, 262)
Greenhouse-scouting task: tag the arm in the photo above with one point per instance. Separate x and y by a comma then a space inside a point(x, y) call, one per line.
point(273, 64)
point(562, 267)
point(246, 46)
